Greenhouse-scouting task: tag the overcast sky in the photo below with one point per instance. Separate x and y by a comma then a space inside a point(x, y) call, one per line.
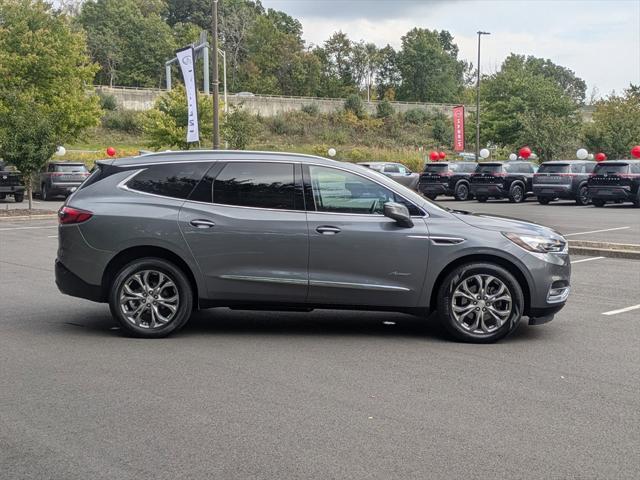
point(599, 40)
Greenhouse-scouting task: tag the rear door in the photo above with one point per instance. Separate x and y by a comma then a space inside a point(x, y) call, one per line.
point(358, 256)
point(247, 229)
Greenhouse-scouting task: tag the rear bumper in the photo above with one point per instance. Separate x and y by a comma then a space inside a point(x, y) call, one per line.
point(553, 191)
point(487, 190)
point(63, 188)
point(434, 189)
point(70, 284)
point(611, 193)
point(11, 189)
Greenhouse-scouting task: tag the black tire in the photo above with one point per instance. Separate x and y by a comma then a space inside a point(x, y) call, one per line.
point(481, 199)
point(3, 196)
point(464, 272)
point(461, 192)
point(598, 202)
point(431, 196)
point(582, 197)
point(544, 200)
point(18, 197)
point(636, 201)
point(181, 283)
point(44, 193)
point(516, 193)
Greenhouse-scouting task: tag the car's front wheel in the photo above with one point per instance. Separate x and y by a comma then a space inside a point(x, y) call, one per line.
point(151, 298)
point(480, 302)
point(461, 192)
point(516, 193)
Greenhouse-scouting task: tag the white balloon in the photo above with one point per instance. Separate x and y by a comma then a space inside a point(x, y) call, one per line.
point(513, 156)
point(590, 156)
point(332, 152)
point(60, 151)
point(582, 153)
point(484, 153)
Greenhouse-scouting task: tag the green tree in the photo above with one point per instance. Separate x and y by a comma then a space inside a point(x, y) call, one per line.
point(384, 109)
point(166, 124)
point(387, 74)
point(238, 128)
point(45, 74)
point(616, 124)
point(129, 39)
point(429, 67)
point(354, 104)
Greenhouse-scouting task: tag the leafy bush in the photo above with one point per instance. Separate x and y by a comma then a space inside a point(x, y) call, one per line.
point(311, 109)
point(238, 128)
point(354, 104)
point(107, 102)
point(417, 116)
point(442, 129)
point(384, 109)
point(125, 121)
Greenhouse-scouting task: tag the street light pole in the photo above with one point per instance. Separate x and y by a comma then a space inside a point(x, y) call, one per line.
point(216, 82)
point(478, 99)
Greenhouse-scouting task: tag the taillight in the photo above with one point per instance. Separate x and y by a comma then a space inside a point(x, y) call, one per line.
point(447, 173)
point(70, 215)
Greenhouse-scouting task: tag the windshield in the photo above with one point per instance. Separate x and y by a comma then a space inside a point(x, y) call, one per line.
point(71, 168)
point(611, 168)
point(554, 168)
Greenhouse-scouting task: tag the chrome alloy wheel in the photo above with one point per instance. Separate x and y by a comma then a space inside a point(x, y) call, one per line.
point(481, 304)
point(149, 299)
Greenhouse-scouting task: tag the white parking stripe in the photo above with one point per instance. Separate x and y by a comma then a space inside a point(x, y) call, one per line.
point(595, 231)
point(586, 260)
point(26, 228)
point(622, 310)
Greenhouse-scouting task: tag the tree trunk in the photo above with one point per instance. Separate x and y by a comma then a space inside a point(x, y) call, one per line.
point(30, 192)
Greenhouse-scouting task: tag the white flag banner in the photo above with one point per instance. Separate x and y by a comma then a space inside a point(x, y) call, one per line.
point(186, 59)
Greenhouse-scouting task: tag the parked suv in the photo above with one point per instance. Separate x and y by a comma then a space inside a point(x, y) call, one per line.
point(11, 183)
point(446, 178)
point(615, 180)
point(566, 179)
point(61, 178)
point(397, 171)
point(160, 235)
point(512, 180)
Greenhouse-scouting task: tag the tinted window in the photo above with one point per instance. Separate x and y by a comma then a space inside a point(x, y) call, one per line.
point(391, 169)
point(611, 168)
point(554, 168)
point(489, 168)
point(588, 167)
point(343, 192)
point(259, 185)
point(71, 168)
point(435, 167)
point(525, 168)
point(635, 168)
point(170, 180)
point(577, 168)
point(467, 167)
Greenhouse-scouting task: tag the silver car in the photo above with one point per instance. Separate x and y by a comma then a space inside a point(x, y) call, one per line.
point(158, 236)
point(397, 171)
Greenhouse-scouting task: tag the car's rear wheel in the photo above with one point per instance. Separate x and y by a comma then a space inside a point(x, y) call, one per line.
point(583, 195)
point(18, 197)
point(44, 192)
point(481, 199)
point(480, 303)
point(461, 192)
point(431, 196)
point(151, 298)
point(516, 193)
point(598, 202)
point(544, 200)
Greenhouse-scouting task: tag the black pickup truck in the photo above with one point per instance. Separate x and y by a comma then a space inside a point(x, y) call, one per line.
point(11, 183)
point(512, 180)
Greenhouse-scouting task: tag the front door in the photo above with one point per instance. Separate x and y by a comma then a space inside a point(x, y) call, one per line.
point(246, 227)
point(358, 256)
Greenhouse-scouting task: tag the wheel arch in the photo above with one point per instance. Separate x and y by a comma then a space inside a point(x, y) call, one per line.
point(141, 251)
point(511, 267)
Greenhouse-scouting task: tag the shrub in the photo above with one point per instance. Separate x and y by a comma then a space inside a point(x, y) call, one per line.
point(311, 109)
point(238, 128)
point(384, 109)
point(416, 116)
point(107, 102)
point(125, 121)
point(354, 104)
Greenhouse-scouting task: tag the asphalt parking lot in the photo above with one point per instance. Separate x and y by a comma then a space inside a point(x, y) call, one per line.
point(320, 395)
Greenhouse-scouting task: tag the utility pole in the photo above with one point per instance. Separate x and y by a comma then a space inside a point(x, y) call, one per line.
point(216, 83)
point(478, 99)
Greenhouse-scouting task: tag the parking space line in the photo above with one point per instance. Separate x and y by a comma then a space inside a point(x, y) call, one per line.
point(595, 231)
point(622, 310)
point(26, 228)
point(586, 260)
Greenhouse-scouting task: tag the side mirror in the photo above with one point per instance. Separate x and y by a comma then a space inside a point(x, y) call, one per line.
point(399, 213)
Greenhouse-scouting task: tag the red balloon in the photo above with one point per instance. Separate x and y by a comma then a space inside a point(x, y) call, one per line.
point(434, 156)
point(635, 151)
point(111, 151)
point(525, 152)
point(442, 155)
point(600, 157)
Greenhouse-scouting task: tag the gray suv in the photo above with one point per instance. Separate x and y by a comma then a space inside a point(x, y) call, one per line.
point(158, 236)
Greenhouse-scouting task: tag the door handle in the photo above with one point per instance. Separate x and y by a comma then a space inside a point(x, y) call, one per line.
point(328, 230)
point(202, 223)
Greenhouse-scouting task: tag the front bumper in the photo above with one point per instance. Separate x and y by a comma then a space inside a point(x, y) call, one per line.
point(487, 190)
point(553, 191)
point(611, 193)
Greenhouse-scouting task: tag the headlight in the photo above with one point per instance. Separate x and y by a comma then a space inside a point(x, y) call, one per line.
point(538, 244)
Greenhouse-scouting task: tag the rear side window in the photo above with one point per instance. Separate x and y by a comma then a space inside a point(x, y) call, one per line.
point(611, 168)
point(555, 168)
point(467, 167)
point(258, 185)
point(392, 169)
point(588, 167)
point(635, 168)
point(175, 180)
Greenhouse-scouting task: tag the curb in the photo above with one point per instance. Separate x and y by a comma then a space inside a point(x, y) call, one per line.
point(605, 249)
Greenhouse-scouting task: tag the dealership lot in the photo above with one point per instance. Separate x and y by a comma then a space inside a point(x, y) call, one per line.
point(319, 395)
